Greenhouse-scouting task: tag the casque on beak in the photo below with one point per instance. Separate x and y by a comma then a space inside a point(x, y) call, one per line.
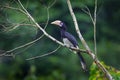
point(57, 22)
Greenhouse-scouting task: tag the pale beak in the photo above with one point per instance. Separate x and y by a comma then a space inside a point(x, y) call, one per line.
point(57, 22)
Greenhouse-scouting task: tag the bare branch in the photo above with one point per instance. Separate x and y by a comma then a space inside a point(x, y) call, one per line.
point(17, 9)
point(24, 49)
point(46, 54)
point(95, 11)
point(25, 44)
point(14, 26)
point(85, 44)
point(94, 24)
point(48, 16)
point(52, 4)
point(87, 11)
point(23, 24)
point(78, 50)
point(29, 43)
point(45, 33)
point(93, 19)
point(76, 26)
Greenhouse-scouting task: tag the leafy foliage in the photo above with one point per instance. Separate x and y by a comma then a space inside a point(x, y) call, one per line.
point(97, 74)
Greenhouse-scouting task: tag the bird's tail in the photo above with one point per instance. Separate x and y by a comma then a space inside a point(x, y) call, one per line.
point(82, 61)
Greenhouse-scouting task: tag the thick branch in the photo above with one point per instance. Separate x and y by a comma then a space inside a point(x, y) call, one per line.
point(76, 26)
point(85, 44)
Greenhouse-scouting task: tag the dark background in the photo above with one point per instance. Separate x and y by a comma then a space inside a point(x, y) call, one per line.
point(62, 65)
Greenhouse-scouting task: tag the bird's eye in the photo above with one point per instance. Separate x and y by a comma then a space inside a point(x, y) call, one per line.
point(61, 24)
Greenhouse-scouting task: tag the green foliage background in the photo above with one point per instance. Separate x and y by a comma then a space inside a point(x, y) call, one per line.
point(62, 65)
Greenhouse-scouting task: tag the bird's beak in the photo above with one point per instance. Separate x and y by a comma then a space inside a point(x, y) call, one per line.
point(56, 23)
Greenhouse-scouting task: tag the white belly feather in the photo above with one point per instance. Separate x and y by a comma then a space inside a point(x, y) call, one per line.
point(69, 44)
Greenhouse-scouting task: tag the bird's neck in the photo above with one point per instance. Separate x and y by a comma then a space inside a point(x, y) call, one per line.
point(62, 31)
point(63, 27)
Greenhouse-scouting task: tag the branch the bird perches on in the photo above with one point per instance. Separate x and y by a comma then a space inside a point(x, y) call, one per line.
point(108, 75)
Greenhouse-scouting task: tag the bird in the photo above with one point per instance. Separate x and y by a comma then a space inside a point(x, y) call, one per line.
point(69, 40)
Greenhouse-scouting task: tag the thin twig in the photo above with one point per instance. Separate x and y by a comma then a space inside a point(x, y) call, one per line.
point(52, 4)
point(26, 44)
point(93, 19)
point(94, 24)
point(95, 11)
point(87, 11)
point(29, 43)
point(46, 54)
point(48, 17)
point(24, 49)
point(17, 9)
point(18, 25)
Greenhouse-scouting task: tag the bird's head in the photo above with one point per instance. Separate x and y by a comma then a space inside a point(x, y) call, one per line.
point(59, 23)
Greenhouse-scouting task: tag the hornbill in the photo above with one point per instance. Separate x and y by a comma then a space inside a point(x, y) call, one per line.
point(69, 40)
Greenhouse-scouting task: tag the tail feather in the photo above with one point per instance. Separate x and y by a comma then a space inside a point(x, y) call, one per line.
point(82, 61)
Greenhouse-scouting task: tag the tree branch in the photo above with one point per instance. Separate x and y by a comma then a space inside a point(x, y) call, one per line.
point(17, 9)
point(93, 19)
point(14, 26)
point(45, 33)
point(87, 11)
point(5, 53)
point(76, 25)
point(46, 54)
point(85, 44)
point(94, 24)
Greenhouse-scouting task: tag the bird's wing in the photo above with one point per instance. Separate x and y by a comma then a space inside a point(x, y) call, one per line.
point(71, 38)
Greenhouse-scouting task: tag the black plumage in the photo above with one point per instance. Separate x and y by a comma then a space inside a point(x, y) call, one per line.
point(69, 40)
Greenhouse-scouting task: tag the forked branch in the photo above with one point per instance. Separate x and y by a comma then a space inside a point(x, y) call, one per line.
point(93, 56)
